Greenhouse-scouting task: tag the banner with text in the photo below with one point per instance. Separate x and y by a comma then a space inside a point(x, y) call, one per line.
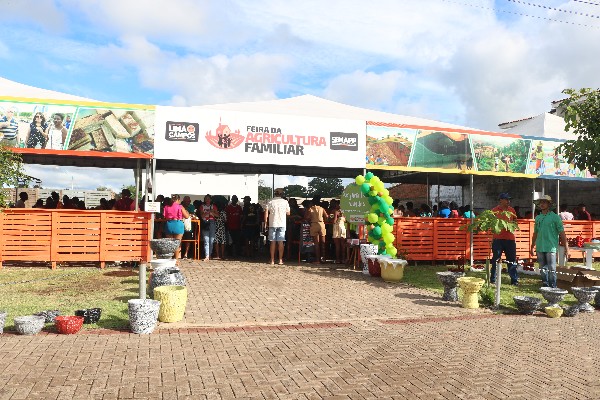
point(188, 133)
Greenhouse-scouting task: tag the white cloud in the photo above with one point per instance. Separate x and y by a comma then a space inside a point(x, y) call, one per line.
point(42, 13)
point(60, 177)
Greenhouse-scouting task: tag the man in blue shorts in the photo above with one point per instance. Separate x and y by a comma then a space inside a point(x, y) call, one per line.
point(276, 214)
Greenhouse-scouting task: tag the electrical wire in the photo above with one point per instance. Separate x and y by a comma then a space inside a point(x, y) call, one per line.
point(522, 14)
point(554, 9)
point(587, 2)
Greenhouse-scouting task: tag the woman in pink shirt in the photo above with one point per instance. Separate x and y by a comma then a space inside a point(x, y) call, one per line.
point(174, 214)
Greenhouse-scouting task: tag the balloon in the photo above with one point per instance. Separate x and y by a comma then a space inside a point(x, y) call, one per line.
point(374, 180)
point(392, 252)
point(365, 188)
point(360, 180)
point(390, 221)
point(372, 193)
point(372, 217)
point(384, 209)
point(376, 232)
point(385, 226)
point(373, 202)
point(388, 238)
point(388, 200)
point(368, 176)
point(385, 192)
point(374, 207)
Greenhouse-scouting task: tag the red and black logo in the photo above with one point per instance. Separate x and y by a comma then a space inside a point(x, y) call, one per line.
point(224, 138)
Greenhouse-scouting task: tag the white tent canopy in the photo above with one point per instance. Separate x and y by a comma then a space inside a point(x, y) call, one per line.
point(13, 89)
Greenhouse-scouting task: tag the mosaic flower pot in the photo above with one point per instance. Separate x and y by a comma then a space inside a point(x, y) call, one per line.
point(597, 297)
point(49, 315)
point(553, 295)
point(571, 311)
point(173, 300)
point(392, 270)
point(165, 276)
point(450, 283)
point(553, 312)
point(143, 315)
point(29, 324)
point(366, 250)
point(164, 248)
point(90, 315)
point(584, 296)
point(3, 315)
point(68, 324)
point(470, 287)
point(163, 262)
point(527, 304)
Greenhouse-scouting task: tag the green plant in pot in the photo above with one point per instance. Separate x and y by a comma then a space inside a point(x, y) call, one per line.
point(492, 222)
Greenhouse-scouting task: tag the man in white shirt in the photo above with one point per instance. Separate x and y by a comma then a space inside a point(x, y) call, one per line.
point(564, 214)
point(276, 214)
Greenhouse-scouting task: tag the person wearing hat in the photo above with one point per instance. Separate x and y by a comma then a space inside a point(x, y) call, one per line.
point(504, 242)
point(548, 229)
point(276, 215)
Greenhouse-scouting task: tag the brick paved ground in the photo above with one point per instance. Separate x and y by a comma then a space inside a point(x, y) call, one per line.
point(257, 332)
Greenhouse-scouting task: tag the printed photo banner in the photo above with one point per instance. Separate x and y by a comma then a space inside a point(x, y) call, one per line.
point(66, 127)
point(427, 149)
point(188, 133)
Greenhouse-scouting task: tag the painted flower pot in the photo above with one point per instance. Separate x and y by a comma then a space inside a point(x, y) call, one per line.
point(374, 266)
point(553, 312)
point(165, 247)
point(68, 324)
point(143, 315)
point(392, 270)
point(163, 262)
point(49, 315)
point(597, 297)
point(165, 276)
point(527, 304)
point(3, 315)
point(366, 250)
point(90, 315)
point(173, 300)
point(450, 282)
point(470, 287)
point(29, 324)
point(571, 311)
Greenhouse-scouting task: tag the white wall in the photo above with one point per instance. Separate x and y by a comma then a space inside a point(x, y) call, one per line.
point(198, 184)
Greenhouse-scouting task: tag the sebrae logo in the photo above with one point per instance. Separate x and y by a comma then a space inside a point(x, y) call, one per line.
point(224, 138)
point(182, 131)
point(343, 141)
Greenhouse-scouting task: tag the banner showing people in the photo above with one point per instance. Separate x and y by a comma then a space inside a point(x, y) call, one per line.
point(55, 125)
point(500, 153)
point(545, 159)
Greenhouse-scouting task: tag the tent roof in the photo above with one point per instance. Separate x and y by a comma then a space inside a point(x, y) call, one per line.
point(14, 89)
point(309, 105)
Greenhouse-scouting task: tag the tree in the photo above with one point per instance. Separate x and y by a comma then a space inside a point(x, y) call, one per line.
point(294, 191)
point(102, 188)
point(132, 190)
point(264, 192)
point(11, 171)
point(325, 187)
point(582, 114)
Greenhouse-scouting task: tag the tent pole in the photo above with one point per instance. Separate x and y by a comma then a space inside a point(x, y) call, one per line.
point(427, 197)
point(472, 210)
point(137, 185)
point(533, 200)
point(273, 187)
point(557, 196)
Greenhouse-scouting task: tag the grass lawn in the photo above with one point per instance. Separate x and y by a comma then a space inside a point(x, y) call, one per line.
point(25, 291)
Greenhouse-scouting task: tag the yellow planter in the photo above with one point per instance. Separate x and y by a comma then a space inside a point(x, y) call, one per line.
point(172, 302)
point(392, 270)
point(554, 312)
point(470, 287)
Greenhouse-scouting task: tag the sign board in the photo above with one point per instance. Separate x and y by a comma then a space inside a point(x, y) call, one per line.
point(152, 206)
point(92, 198)
point(189, 133)
point(354, 204)
point(306, 240)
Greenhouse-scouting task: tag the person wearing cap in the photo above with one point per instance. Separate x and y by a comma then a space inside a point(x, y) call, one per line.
point(276, 214)
point(504, 242)
point(547, 230)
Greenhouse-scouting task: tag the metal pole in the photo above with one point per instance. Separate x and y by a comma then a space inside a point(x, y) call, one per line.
point(142, 275)
point(137, 185)
point(533, 200)
point(427, 177)
point(472, 208)
point(557, 196)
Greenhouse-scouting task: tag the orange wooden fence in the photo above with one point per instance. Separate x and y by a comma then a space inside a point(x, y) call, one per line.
point(74, 236)
point(442, 239)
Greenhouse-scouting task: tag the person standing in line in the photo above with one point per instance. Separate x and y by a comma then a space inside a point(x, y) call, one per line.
point(339, 234)
point(209, 214)
point(186, 203)
point(317, 217)
point(276, 214)
point(220, 232)
point(583, 215)
point(547, 231)
point(174, 214)
point(504, 242)
point(234, 225)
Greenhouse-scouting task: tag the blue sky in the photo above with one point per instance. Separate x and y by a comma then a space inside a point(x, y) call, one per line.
point(469, 62)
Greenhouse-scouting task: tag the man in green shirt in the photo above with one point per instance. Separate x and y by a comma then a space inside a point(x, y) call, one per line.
point(548, 229)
